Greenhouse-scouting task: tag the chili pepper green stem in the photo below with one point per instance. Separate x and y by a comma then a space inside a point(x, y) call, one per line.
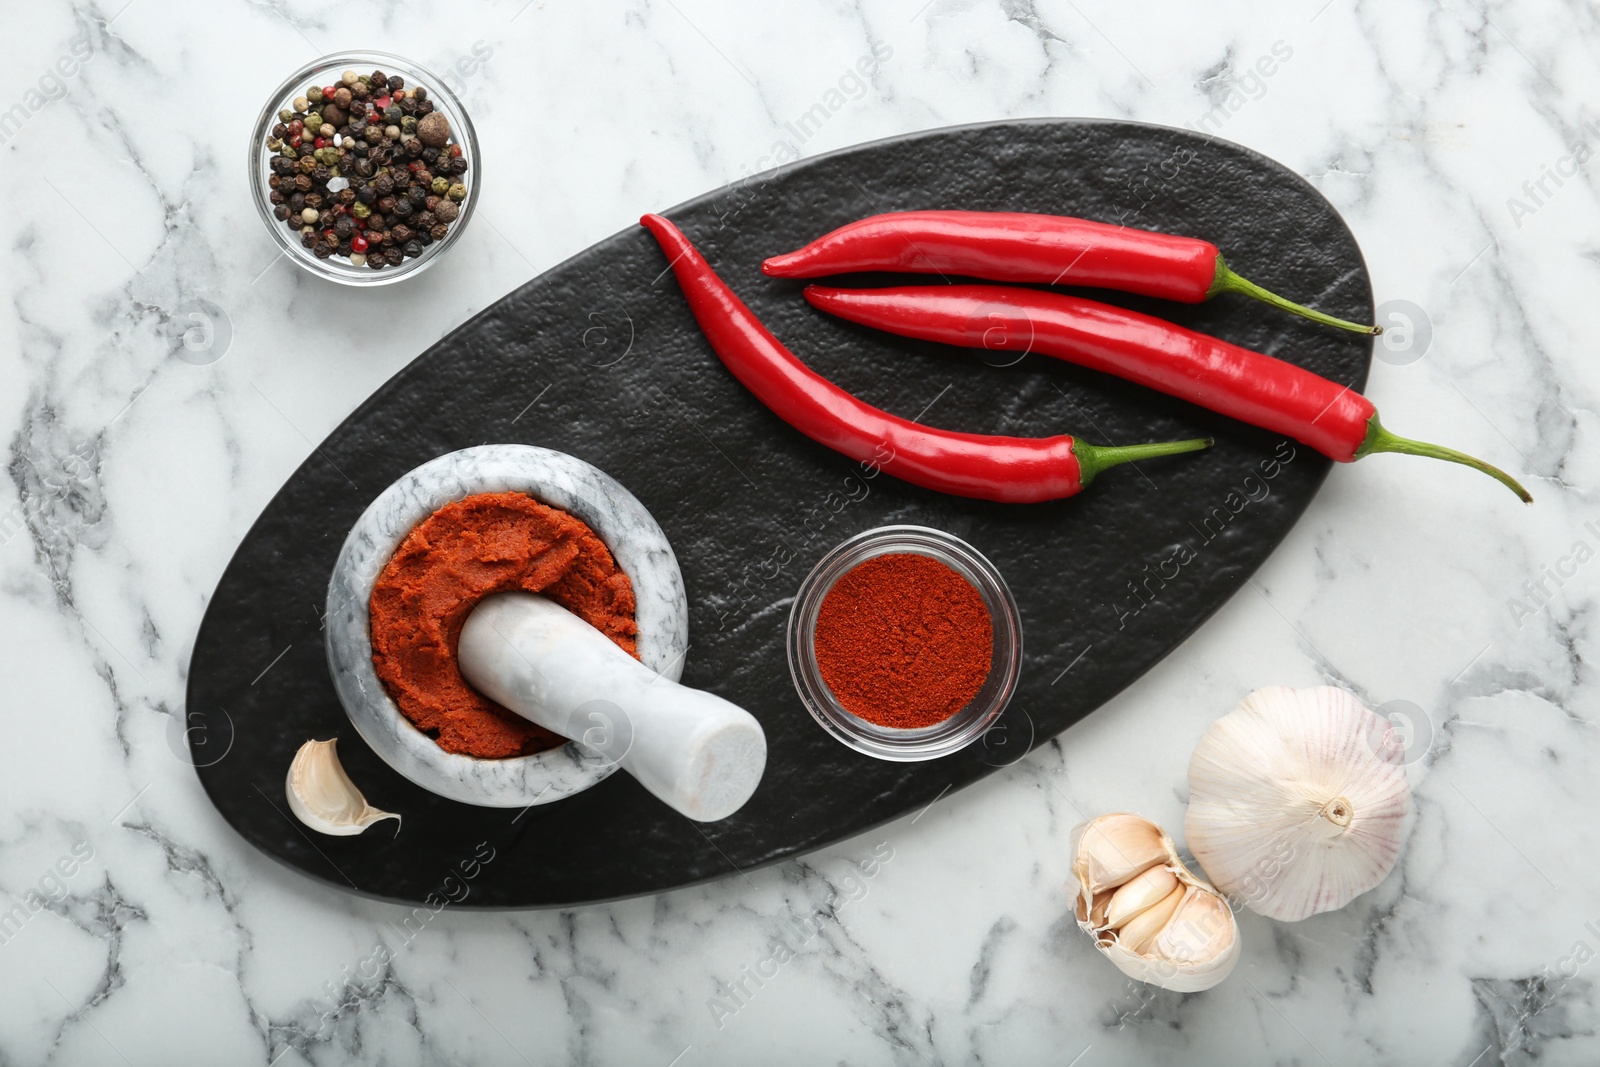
point(1228, 282)
point(1092, 459)
point(1379, 439)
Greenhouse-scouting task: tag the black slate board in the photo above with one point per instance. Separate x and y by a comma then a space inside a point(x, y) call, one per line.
point(601, 358)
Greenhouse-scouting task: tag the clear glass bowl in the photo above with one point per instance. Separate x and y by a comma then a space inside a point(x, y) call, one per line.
point(321, 72)
point(885, 742)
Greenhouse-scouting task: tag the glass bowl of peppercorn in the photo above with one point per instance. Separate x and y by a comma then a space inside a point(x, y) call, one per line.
point(364, 167)
point(905, 643)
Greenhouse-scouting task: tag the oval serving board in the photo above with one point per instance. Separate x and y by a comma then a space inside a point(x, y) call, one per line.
point(601, 358)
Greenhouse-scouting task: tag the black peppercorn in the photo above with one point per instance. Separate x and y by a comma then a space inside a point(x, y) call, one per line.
point(405, 191)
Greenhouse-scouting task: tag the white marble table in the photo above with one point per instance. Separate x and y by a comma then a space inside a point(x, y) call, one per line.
point(136, 463)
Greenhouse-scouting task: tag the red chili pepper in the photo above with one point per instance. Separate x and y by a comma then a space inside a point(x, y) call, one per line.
point(1014, 470)
point(1263, 391)
point(1008, 246)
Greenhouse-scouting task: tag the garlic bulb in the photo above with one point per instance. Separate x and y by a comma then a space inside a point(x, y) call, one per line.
point(1146, 911)
point(322, 796)
point(1293, 807)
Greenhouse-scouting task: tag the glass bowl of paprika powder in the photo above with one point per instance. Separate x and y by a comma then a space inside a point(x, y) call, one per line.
point(919, 635)
point(339, 267)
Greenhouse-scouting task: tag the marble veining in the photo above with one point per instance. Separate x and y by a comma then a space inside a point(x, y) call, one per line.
point(554, 478)
point(164, 371)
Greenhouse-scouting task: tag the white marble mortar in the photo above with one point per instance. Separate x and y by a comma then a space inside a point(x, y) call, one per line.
point(554, 478)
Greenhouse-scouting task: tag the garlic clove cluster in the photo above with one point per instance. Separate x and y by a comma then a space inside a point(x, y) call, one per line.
point(1296, 805)
point(1148, 914)
point(322, 796)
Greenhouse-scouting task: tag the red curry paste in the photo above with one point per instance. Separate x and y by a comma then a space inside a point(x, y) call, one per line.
point(904, 640)
point(465, 551)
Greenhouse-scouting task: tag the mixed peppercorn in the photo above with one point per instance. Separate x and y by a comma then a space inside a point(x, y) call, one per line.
point(365, 169)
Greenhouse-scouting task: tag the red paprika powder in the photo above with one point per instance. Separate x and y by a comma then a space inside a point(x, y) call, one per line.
point(903, 640)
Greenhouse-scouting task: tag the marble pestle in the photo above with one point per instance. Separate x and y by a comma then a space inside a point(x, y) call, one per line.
point(699, 753)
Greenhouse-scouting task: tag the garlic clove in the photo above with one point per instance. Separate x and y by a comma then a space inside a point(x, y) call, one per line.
point(1138, 894)
point(1097, 914)
point(1201, 930)
point(1113, 848)
point(1143, 928)
point(1293, 807)
point(322, 796)
point(1140, 911)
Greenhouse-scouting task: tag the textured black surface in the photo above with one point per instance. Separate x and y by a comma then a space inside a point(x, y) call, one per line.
point(600, 358)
